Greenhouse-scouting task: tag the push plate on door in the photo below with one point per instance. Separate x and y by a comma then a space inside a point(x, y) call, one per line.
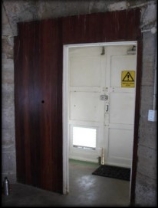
point(103, 97)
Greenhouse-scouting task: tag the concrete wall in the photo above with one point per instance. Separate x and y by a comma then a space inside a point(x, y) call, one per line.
point(17, 11)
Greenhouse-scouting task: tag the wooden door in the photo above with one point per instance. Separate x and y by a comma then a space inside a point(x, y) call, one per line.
point(38, 104)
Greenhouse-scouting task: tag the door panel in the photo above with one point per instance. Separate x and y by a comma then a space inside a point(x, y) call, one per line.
point(81, 75)
point(118, 64)
point(118, 141)
point(121, 112)
point(86, 106)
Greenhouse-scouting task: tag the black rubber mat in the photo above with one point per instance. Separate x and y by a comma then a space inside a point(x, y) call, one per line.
point(113, 172)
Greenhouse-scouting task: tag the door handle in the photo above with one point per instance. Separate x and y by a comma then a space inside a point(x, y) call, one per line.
point(107, 108)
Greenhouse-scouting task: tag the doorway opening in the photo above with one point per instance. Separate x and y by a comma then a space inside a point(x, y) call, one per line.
point(99, 87)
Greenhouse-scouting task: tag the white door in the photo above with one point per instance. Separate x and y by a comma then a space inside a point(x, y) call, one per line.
point(101, 103)
point(119, 118)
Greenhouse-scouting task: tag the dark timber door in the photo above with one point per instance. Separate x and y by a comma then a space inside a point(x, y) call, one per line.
point(38, 57)
point(38, 105)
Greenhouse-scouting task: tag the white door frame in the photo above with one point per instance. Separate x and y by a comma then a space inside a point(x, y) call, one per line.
point(65, 103)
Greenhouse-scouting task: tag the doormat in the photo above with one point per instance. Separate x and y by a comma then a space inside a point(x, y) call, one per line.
point(113, 172)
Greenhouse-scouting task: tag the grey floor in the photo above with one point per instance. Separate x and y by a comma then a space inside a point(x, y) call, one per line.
point(85, 190)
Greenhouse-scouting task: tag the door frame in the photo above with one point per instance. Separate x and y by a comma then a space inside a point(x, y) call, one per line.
point(65, 105)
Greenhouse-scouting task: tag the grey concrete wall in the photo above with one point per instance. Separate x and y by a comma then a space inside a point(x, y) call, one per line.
point(8, 123)
point(16, 11)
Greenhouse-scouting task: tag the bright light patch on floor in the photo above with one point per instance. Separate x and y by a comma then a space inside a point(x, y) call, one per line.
point(84, 137)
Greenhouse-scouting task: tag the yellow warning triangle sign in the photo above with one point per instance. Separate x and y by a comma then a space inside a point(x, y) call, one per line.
point(128, 78)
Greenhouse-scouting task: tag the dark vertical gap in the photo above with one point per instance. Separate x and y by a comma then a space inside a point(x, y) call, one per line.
point(136, 122)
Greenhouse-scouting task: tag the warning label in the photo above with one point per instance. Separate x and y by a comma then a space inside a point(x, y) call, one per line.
point(128, 79)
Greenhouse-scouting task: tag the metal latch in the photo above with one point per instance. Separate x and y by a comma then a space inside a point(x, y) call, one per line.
point(103, 97)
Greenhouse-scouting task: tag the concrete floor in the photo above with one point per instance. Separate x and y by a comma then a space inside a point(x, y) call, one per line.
point(85, 190)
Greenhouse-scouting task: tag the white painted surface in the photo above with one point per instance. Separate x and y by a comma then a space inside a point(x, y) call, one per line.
point(119, 120)
point(86, 72)
point(91, 75)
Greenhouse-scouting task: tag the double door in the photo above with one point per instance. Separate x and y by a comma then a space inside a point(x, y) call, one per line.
point(102, 103)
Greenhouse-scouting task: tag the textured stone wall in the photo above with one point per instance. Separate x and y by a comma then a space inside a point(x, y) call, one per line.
point(17, 11)
point(146, 184)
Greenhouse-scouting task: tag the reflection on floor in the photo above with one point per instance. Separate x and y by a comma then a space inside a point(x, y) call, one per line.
point(85, 190)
